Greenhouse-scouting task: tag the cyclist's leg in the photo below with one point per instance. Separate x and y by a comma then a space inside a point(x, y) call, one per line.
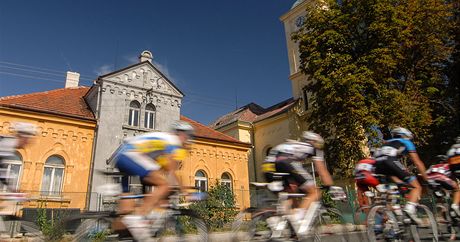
point(137, 164)
point(154, 178)
point(455, 169)
point(302, 177)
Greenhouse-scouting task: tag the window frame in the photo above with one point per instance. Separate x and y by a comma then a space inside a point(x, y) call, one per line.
point(132, 111)
point(228, 181)
point(17, 160)
point(201, 179)
point(51, 191)
point(149, 116)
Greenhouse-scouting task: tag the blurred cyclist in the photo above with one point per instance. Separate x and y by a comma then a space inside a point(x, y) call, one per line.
point(150, 156)
point(22, 135)
point(288, 157)
point(453, 158)
point(388, 162)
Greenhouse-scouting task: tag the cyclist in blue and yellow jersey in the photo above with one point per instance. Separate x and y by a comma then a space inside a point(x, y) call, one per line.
point(152, 156)
point(388, 163)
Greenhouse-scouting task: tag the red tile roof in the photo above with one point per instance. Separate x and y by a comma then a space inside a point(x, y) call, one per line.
point(64, 101)
point(203, 131)
point(252, 113)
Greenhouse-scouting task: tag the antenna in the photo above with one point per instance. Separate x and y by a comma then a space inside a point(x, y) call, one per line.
point(236, 98)
point(116, 56)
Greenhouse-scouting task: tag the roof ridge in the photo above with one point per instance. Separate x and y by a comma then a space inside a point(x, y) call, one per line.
point(210, 129)
point(36, 93)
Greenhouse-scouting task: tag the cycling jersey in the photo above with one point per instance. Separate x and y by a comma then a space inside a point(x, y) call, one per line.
point(140, 155)
point(364, 173)
point(387, 159)
point(441, 174)
point(292, 164)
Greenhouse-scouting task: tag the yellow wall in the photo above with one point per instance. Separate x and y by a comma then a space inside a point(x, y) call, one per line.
point(269, 133)
point(71, 139)
point(214, 159)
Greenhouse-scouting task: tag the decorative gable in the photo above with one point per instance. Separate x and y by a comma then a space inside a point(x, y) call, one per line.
point(145, 76)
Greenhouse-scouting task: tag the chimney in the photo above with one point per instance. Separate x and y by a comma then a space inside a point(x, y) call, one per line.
point(146, 56)
point(72, 79)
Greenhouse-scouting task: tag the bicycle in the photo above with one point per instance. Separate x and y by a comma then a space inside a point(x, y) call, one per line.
point(447, 220)
point(11, 224)
point(274, 223)
point(387, 222)
point(174, 221)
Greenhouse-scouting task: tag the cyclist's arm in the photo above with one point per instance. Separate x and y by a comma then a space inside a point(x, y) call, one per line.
point(171, 167)
point(418, 163)
point(323, 173)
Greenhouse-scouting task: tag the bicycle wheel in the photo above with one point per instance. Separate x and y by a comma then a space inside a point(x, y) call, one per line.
point(257, 229)
point(28, 230)
point(92, 228)
point(382, 225)
point(183, 225)
point(331, 224)
point(445, 223)
point(428, 230)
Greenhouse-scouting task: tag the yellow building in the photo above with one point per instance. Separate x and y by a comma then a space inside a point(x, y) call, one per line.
point(54, 169)
point(217, 158)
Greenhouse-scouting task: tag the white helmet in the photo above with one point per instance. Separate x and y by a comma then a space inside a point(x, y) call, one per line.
point(313, 138)
point(183, 126)
point(25, 129)
point(402, 132)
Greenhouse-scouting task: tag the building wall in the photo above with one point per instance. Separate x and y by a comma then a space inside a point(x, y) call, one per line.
point(71, 139)
point(143, 84)
point(267, 134)
point(214, 159)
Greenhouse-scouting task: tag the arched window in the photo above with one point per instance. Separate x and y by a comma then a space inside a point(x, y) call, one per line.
point(268, 151)
point(201, 181)
point(134, 110)
point(12, 171)
point(149, 118)
point(226, 180)
point(53, 176)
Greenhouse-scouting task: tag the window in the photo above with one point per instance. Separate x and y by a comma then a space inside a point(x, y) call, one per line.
point(226, 180)
point(305, 98)
point(134, 110)
point(11, 170)
point(53, 176)
point(149, 119)
point(201, 181)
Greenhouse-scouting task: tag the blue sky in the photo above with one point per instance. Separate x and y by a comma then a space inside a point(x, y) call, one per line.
point(214, 51)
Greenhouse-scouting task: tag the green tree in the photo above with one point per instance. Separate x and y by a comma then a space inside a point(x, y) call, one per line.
point(373, 65)
point(219, 209)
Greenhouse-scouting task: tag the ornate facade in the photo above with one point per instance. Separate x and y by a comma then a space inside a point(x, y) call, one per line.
point(53, 169)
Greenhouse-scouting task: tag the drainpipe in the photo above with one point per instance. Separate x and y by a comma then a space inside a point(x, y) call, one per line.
point(93, 158)
point(253, 140)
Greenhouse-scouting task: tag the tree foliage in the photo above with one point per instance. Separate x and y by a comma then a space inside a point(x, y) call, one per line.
point(374, 65)
point(219, 209)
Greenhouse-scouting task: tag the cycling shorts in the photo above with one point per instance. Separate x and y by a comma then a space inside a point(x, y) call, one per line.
point(135, 164)
point(297, 174)
point(393, 167)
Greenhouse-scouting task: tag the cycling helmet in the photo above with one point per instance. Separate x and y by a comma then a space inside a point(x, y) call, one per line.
point(400, 132)
point(183, 126)
point(313, 138)
point(25, 129)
